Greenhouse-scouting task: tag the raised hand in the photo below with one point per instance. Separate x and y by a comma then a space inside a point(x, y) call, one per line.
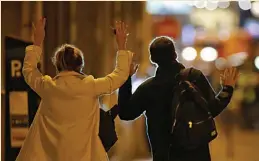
point(230, 76)
point(121, 35)
point(39, 31)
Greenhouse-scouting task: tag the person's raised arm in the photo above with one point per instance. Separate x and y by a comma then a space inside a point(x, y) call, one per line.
point(131, 106)
point(31, 73)
point(217, 103)
point(113, 81)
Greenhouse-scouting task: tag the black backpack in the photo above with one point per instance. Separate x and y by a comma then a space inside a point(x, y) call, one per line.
point(107, 131)
point(192, 123)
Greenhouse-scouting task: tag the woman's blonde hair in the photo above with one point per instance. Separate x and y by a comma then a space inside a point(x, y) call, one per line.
point(68, 58)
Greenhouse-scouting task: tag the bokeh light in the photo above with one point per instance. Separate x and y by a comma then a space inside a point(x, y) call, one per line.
point(237, 59)
point(211, 5)
point(209, 54)
point(255, 9)
point(189, 53)
point(200, 3)
point(188, 34)
point(256, 62)
point(224, 35)
point(244, 4)
point(223, 4)
point(221, 63)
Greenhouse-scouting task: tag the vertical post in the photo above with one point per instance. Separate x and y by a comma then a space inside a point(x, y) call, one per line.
point(108, 38)
point(38, 11)
point(25, 20)
point(146, 38)
point(117, 10)
point(57, 30)
point(73, 25)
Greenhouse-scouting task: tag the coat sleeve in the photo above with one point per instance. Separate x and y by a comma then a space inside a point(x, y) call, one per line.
point(216, 102)
point(31, 73)
point(113, 81)
point(131, 106)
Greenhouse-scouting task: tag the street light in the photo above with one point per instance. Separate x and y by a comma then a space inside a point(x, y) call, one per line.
point(223, 4)
point(221, 63)
point(189, 53)
point(244, 4)
point(200, 3)
point(211, 5)
point(256, 62)
point(209, 54)
point(255, 9)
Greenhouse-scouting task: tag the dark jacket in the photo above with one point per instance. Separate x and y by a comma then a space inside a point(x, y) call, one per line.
point(154, 97)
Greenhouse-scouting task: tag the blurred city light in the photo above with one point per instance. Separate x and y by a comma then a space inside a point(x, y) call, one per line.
point(255, 9)
point(211, 5)
point(224, 34)
point(224, 4)
point(200, 3)
point(221, 63)
point(209, 54)
point(256, 62)
point(237, 59)
point(168, 7)
point(188, 34)
point(189, 53)
point(191, 2)
point(244, 4)
point(252, 26)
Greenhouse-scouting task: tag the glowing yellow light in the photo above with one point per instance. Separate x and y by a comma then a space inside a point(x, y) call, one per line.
point(209, 54)
point(189, 53)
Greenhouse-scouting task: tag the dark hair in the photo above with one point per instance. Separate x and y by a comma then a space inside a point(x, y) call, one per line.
point(68, 57)
point(162, 50)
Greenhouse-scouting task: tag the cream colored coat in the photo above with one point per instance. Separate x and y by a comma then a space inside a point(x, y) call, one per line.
point(66, 125)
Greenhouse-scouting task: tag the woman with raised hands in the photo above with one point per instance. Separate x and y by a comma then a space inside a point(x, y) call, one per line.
point(66, 125)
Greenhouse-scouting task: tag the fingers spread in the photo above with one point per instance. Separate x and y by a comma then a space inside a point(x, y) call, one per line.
point(44, 22)
point(117, 26)
point(237, 74)
point(136, 67)
point(123, 27)
point(222, 76)
point(234, 73)
point(126, 29)
point(33, 27)
point(225, 72)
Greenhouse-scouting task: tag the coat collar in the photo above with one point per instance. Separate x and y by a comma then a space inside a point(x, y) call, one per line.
point(67, 73)
point(170, 70)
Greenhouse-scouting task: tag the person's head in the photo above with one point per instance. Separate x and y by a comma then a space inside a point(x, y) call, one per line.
point(68, 58)
point(162, 51)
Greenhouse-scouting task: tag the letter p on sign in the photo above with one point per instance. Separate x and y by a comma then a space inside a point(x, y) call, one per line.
point(16, 67)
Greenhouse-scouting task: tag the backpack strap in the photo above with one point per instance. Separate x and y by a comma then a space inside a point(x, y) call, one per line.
point(185, 74)
point(189, 75)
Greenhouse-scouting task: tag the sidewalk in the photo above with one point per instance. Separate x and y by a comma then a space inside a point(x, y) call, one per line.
point(246, 148)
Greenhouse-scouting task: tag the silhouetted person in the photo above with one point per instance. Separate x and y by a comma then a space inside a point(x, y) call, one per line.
point(154, 97)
